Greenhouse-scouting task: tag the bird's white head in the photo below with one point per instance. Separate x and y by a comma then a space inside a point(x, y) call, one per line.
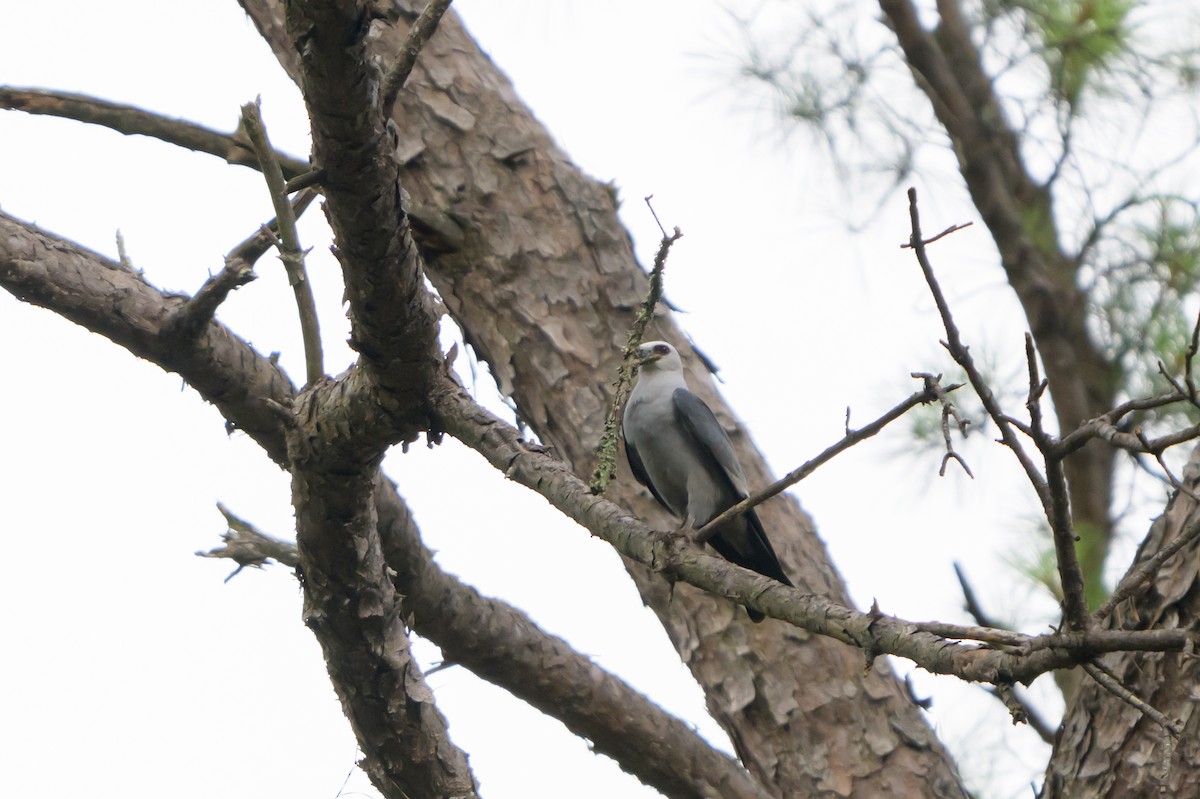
point(659, 356)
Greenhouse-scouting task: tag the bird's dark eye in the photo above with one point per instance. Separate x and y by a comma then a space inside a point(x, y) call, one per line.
point(662, 349)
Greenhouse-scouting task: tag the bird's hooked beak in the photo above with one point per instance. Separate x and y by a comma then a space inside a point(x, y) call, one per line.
point(647, 355)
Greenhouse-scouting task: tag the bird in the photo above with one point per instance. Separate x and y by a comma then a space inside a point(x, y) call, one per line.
point(678, 450)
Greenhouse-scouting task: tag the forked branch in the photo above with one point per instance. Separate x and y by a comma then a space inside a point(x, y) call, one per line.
point(290, 251)
point(199, 309)
point(1051, 489)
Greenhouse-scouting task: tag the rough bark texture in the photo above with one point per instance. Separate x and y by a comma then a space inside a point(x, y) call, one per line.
point(530, 259)
point(89, 289)
point(494, 640)
point(352, 607)
point(339, 430)
point(111, 299)
point(505, 647)
point(393, 322)
point(535, 267)
point(349, 601)
point(1109, 749)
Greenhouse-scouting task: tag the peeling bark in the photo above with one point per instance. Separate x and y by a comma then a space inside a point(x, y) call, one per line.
point(506, 648)
point(528, 256)
point(545, 286)
point(532, 262)
point(353, 609)
point(496, 641)
point(1107, 748)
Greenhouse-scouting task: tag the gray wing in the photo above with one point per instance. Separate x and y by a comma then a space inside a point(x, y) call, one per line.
point(751, 547)
point(697, 418)
point(639, 470)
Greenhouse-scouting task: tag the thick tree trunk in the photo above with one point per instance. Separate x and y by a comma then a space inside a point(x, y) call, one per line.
point(532, 262)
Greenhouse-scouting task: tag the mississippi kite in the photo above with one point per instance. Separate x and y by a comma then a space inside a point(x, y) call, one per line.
point(679, 450)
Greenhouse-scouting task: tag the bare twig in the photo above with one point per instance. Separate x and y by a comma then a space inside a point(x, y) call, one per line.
point(1108, 681)
point(1105, 426)
point(1070, 574)
point(1059, 513)
point(508, 651)
point(199, 309)
point(247, 546)
point(973, 605)
point(852, 437)
point(1192, 349)
point(1143, 573)
point(606, 453)
point(949, 411)
point(943, 234)
point(1037, 389)
point(1098, 642)
point(420, 33)
point(962, 357)
point(1162, 370)
point(132, 121)
point(313, 177)
point(996, 636)
point(1171, 478)
point(1019, 706)
point(289, 242)
point(1156, 446)
point(654, 213)
point(1051, 489)
point(1022, 711)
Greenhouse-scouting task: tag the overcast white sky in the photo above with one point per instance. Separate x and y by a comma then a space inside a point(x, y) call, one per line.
point(130, 668)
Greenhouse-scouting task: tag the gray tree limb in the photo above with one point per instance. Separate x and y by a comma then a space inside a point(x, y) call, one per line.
point(491, 638)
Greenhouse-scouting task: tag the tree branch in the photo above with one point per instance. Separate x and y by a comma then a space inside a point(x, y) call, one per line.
point(116, 302)
point(529, 235)
point(503, 646)
point(1108, 682)
point(1023, 712)
point(246, 546)
point(1051, 490)
point(1105, 426)
point(421, 31)
point(290, 251)
point(948, 412)
point(110, 299)
point(874, 632)
point(189, 318)
point(962, 356)
point(852, 437)
point(356, 613)
point(1020, 215)
point(393, 319)
point(498, 642)
point(133, 121)
point(1144, 572)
